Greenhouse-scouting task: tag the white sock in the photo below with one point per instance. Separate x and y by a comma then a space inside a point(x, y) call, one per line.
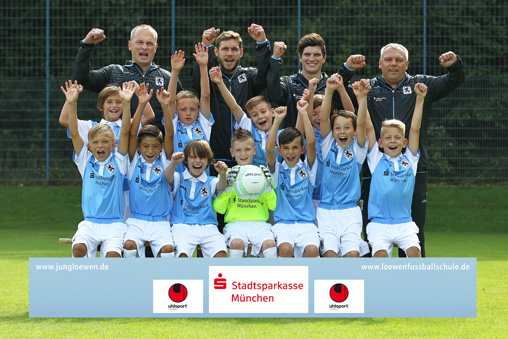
point(129, 253)
point(168, 255)
point(235, 253)
point(270, 252)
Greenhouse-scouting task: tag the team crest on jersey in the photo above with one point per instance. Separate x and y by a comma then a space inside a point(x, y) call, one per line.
point(111, 168)
point(242, 78)
point(157, 170)
point(159, 81)
point(348, 154)
point(204, 192)
point(302, 173)
point(198, 131)
point(404, 164)
point(407, 90)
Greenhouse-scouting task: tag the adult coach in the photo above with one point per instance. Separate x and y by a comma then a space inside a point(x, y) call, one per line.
point(141, 68)
point(288, 90)
point(243, 82)
point(392, 97)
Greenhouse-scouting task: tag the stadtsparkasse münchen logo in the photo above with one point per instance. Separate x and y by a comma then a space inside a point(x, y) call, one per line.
point(339, 293)
point(177, 293)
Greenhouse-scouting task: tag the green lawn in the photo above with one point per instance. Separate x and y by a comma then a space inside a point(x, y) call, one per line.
point(461, 222)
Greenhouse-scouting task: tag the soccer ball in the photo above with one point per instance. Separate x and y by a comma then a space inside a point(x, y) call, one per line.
point(250, 182)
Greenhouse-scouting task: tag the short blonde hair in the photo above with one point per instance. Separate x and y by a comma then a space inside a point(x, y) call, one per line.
point(397, 47)
point(101, 128)
point(187, 95)
point(241, 134)
point(394, 123)
point(253, 102)
point(144, 26)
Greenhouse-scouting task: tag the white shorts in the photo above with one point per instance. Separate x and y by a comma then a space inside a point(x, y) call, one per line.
point(109, 236)
point(340, 230)
point(187, 237)
point(158, 233)
point(297, 235)
point(383, 236)
point(253, 232)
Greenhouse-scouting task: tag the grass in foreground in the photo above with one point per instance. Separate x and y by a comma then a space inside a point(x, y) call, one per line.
point(33, 218)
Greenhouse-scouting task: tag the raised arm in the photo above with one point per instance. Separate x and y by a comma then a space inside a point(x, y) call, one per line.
point(94, 80)
point(271, 157)
point(361, 132)
point(302, 106)
point(165, 98)
point(143, 98)
point(332, 84)
point(169, 174)
point(177, 63)
point(263, 55)
point(368, 127)
point(148, 114)
point(64, 113)
point(222, 169)
point(208, 38)
point(71, 92)
point(216, 77)
point(126, 92)
point(344, 97)
point(201, 56)
point(414, 132)
point(276, 89)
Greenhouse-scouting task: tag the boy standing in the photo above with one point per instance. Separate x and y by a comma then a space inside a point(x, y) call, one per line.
point(295, 231)
point(103, 170)
point(393, 181)
point(246, 219)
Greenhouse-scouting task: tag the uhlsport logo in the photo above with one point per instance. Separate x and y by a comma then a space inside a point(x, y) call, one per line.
point(177, 296)
point(338, 296)
point(339, 293)
point(258, 289)
point(177, 293)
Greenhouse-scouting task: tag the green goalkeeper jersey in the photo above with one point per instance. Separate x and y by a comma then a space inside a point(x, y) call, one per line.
point(236, 208)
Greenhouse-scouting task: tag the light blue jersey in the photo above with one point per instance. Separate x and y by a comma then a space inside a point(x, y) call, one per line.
point(192, 199)
point(259, 140)
point(85, 125)
point(102, 196)
point(392, 186)
point(294, 186)
point(201, 129)
point(149, 195)
point(340, 187)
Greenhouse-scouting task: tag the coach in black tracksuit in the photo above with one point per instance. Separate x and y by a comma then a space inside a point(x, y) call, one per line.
point(392, 97)
point(288, 90)
point(143, 45)
point(243, 82)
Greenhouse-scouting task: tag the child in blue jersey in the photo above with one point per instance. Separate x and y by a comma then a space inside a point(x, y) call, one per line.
point(193, 119)
point(344, 149)
point(103, 170)
point(258, 120)
point(295, 231)
point(193, 220)
point(150, 201)
point(110, 105)
point(393, 180)
point(246, 219)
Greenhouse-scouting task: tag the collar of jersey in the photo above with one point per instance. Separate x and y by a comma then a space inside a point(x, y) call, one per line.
point(95, 161)
point(299, 164)
point(188, 176)
point(112, 123)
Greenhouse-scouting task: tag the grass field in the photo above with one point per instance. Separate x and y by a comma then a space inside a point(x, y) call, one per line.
point(461, 222)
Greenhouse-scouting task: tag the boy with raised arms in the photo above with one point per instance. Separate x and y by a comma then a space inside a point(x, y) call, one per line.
point(295, 230)
point(103, 170)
